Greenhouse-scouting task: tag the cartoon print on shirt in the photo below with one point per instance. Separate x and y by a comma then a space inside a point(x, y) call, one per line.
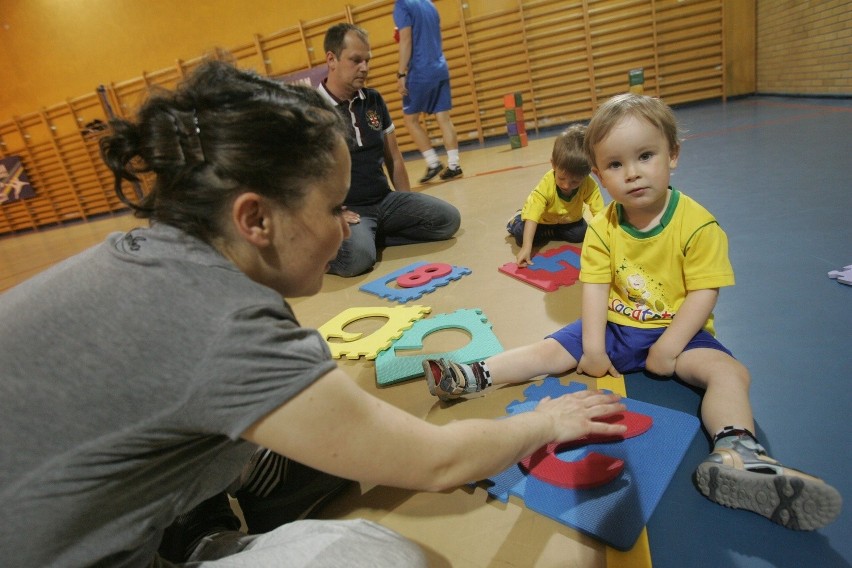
point(645, 296)
point(635, 289)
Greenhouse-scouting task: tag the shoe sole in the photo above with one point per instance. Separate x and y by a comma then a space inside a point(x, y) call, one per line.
point(454, 176)
point(792, 502)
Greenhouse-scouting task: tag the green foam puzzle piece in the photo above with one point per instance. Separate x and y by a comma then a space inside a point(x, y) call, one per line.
point(393, 368)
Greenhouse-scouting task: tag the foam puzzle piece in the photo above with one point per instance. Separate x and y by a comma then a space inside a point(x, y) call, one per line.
point(424, 275)
point(550, 269)
point(392, 367)
point(380, 287)
point(593, 470)
point(844, 275)
point(355, 345)
point(616, 512)
point(554, 260)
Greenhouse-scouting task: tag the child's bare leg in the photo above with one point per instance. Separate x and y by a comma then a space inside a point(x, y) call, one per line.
point(448, 380)
point(545, 357)
point(739, 473)
point(725, 382)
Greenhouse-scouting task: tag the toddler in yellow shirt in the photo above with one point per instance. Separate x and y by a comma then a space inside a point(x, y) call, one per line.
point(651, 255)
point(554, 209)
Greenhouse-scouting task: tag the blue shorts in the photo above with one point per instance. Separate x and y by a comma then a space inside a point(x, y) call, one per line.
point(430, 97)
point(626, 346)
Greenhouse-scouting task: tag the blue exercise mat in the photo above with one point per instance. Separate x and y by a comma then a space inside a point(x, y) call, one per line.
point(615, 512)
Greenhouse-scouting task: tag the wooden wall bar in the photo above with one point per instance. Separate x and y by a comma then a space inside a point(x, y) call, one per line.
point(564, 57)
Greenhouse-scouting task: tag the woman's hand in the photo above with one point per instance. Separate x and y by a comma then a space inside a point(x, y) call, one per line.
point(576, 415)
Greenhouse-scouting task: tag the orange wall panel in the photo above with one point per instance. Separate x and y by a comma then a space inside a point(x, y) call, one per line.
point(53, 49)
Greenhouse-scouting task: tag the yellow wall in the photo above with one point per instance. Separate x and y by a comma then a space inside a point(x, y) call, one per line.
point(51, 50)
point(493, 47)
point(740, 61)
point(804, 47)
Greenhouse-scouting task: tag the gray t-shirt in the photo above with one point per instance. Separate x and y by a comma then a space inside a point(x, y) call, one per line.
point(128, 374)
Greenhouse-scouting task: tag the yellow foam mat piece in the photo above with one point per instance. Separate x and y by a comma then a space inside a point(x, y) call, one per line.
point(356, 345)
point(640, 555)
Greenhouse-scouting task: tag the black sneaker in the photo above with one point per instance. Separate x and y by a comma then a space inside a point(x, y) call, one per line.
point(451, 173)
point(431, 172)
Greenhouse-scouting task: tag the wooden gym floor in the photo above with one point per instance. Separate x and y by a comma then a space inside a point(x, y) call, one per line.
point(773, 171)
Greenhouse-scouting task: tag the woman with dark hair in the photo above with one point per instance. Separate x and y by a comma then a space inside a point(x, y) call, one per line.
point(141, 376)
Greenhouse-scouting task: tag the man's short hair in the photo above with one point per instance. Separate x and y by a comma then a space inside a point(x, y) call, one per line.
point(335, 37)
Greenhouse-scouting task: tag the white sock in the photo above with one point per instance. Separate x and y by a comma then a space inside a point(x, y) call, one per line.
point(453, 158)
point(431, 158)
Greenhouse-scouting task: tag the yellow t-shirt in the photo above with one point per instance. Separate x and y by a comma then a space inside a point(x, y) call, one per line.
point(651, 272)
point(548, 205)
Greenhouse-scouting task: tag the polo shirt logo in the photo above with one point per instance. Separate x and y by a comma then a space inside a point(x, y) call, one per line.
point(373, 120)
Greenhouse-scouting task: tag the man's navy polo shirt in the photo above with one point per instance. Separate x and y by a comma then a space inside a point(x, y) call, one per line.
point(370, 120)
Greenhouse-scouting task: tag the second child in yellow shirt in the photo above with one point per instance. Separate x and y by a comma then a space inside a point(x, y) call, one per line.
point(554, 209)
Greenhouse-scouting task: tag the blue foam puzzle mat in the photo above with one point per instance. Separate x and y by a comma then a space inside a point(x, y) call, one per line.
point(552, 260)
point(380, 287)
point(550, 270)
point(616, 512)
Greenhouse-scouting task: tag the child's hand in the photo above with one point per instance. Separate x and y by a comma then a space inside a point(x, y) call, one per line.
point(596, 365)
point(524, 257)
point(659, 362)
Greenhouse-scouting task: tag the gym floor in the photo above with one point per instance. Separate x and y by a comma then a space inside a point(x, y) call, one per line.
point(771, 170)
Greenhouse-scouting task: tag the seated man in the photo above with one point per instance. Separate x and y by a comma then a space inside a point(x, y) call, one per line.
point(375, 212)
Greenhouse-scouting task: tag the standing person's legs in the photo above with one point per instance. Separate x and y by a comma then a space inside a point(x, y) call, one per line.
point(357, 254)
point(448, 132)
point(407, 217)
point(414, 103)
point(418, 133)
point(318, 544)
point(443, 103)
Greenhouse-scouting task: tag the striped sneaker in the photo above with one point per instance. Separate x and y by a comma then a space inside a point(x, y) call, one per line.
point(449, 381)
